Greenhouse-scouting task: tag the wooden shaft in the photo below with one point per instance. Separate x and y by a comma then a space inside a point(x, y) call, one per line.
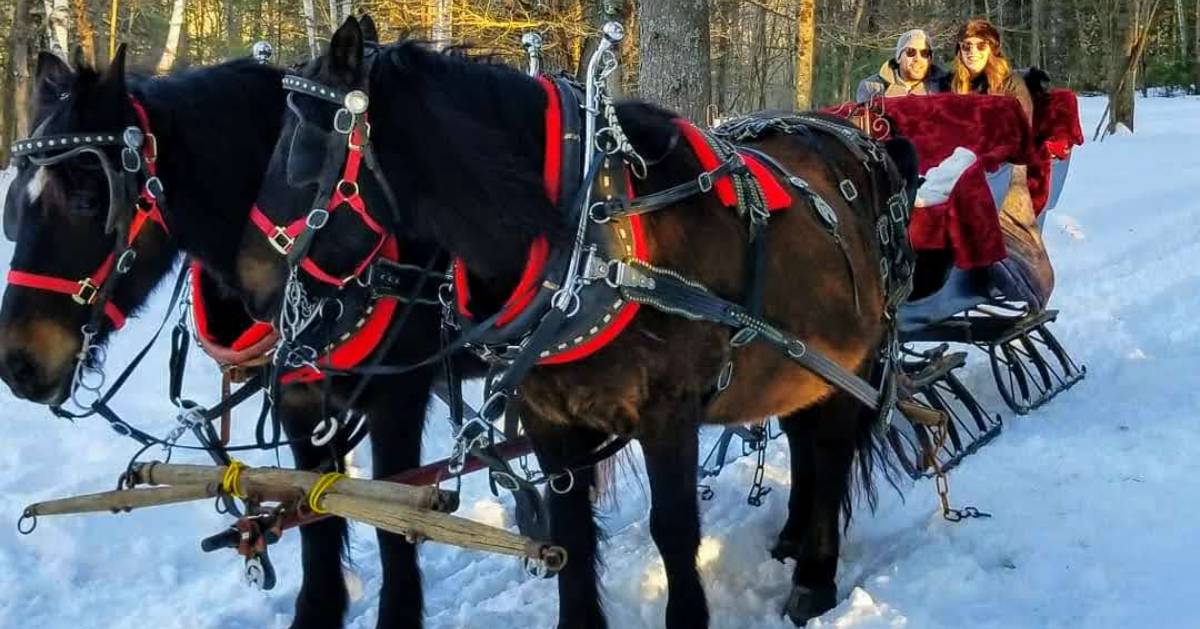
point(922, 415)
point(122, 500)
point(419, 524)
point(254, 479)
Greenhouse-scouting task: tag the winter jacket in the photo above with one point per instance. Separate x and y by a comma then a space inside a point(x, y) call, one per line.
point(887, 83)
point(1013, 86)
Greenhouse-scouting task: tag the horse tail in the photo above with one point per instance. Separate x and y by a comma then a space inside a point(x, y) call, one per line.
point(870, 450)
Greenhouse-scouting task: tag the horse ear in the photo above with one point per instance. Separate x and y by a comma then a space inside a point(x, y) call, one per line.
point(114, 76)
point(369, 32)
point(51, 69)
point(346, 47)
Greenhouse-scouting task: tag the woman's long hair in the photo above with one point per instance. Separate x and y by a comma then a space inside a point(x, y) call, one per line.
point(997, 69)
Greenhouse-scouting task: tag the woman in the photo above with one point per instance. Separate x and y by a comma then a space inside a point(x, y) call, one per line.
point(980, 67)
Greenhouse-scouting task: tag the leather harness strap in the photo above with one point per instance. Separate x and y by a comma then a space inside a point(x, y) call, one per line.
point(90, 289)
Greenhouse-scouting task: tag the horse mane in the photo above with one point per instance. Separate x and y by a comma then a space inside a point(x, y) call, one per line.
point(212, 156)
point(468, 131)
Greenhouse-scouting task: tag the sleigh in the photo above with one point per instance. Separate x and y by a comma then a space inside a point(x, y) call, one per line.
point(965, 308)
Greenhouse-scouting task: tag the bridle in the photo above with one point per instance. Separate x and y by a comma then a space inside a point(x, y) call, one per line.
point(294, 239)
point(139, 152)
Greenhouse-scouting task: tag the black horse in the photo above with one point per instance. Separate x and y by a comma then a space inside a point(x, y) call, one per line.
point(214, 129)
point(459, 148)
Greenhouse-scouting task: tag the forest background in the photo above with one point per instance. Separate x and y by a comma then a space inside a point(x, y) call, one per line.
point(697, 56)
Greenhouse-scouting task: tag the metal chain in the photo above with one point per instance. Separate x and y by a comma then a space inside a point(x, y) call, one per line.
point(89, 376)
point(757, 490)
point(942, 481)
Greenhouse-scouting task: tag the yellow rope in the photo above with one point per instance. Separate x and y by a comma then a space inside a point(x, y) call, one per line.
point(231, 483)
point(319, 488)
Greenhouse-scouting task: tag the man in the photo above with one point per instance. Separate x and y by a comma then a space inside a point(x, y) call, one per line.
point(910, 71)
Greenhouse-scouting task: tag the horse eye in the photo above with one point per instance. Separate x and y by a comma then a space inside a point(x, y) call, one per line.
point(64, 95)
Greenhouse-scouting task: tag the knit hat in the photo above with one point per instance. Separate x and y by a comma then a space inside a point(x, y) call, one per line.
point(911, 37)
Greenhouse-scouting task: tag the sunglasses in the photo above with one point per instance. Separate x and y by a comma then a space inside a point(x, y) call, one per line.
point(912, 52)
point(979, 46)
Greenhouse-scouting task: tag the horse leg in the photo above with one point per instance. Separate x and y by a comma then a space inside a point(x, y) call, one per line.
point(572, 524)
point(834, 436)
point(396, 412)
point(798, 429)
point(323, 599)
point(671, 452)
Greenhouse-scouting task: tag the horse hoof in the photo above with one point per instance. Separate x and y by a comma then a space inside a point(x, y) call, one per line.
point(785, 549)
point(805, 603)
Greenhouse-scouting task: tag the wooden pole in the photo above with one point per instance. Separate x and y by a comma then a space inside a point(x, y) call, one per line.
point(418, 524)
point(122, 500)
point(254, 480)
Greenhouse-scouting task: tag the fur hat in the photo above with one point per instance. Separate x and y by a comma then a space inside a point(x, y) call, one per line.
point(908, 39)
point(982, 29)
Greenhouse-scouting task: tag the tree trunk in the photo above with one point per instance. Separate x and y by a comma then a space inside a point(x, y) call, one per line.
point(443, 23)
point(15, 98)
point(335, 19)
point(758, 58)
point(58, 19)
point(806, 39)
point(1035, 39)
point(84, 29)
point(174, 32)
point(851, 47)
point(1181, 19)
point(724, 48)
point(1196, 52)
point(1122, 75)
point(674, 52)
point(345, 9)
point(310, 27)
point(233, 31)
point(597, 13)
point(114, 14)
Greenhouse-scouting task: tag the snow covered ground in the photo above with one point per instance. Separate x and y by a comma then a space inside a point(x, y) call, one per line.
point(1094, 496)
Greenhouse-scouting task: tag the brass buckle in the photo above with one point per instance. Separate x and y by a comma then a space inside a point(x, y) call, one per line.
point(151, 148)
point(281, 241)
point(87, 293)
point(366, 137)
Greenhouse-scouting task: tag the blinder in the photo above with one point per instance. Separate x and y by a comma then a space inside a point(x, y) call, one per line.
point(331, 160)
point(45, 151)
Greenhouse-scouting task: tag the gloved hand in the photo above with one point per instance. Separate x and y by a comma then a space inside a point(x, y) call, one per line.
point(1010, 280)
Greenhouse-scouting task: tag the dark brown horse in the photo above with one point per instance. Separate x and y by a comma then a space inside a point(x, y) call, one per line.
point(461, 143)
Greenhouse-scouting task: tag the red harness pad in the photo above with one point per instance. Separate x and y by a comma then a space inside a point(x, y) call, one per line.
point(776, 195)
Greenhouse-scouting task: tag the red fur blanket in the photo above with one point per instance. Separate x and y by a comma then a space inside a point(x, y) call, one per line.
point(994, 128)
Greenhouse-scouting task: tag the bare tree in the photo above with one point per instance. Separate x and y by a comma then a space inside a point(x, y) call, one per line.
point(114, 9)
point(1196, 52)
point(443, 22)
point(310, 27)
point(806, 50)
point(84, 29)
point(1181, 20)
point(674, 51)
point(1035, 40)
point(58, 18)
point(1133, 20)
point(174, 31)
point(17, 83)
point(859, 7)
